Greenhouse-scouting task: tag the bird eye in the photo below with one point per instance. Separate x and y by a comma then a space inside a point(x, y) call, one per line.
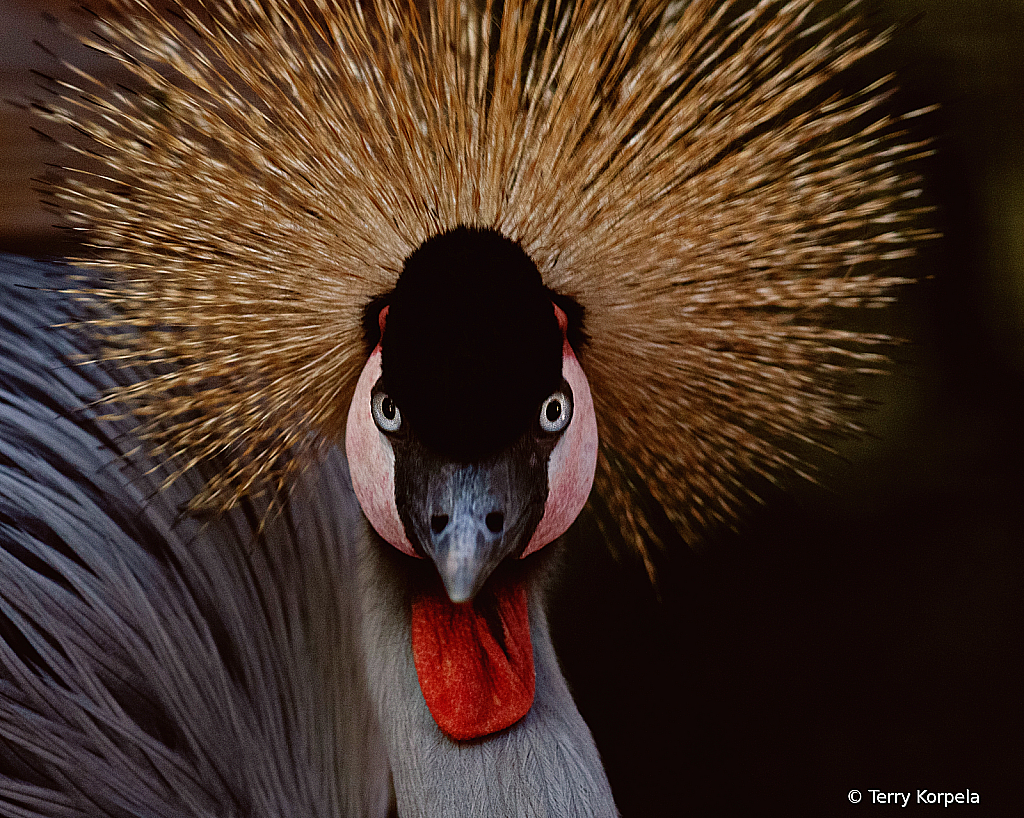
point(556, 412)
point(385, 413)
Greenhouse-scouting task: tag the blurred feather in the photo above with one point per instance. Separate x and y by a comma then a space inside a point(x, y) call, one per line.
point(154, 664)
point(693, 174)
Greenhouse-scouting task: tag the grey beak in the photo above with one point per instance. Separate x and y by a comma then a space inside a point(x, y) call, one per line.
point(466, 548)
point(468, 517)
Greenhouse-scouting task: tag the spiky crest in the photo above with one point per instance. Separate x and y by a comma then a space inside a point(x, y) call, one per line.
point(682, 170)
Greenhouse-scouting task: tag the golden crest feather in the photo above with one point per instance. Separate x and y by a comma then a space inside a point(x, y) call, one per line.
point(684, 170)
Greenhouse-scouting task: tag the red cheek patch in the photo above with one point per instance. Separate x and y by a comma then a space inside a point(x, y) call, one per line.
point(475, 660)
point(371, 462)
point(573, 461)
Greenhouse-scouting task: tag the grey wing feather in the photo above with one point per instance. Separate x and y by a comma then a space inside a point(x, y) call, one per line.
point(152, 664)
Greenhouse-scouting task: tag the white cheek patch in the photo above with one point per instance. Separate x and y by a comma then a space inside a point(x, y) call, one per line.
point(572, 463)
point(371, 461)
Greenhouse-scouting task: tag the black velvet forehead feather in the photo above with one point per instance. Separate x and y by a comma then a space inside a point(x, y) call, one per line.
point(472, 345)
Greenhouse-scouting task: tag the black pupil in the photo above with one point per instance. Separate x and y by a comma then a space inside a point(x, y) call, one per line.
point(554, 411)
point(387, 408)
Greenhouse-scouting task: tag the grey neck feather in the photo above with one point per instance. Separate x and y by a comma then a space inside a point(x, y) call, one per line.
point(545, 765)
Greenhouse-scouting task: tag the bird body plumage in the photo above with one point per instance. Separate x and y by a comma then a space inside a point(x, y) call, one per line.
point(196, 616)
point(155, 664)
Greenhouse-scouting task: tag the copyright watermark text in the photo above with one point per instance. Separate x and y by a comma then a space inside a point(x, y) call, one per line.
point(903, 799)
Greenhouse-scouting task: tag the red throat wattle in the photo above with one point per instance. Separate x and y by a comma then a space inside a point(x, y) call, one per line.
point(474, 660)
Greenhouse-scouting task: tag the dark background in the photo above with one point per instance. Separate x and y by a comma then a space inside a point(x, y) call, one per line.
point(864, 634)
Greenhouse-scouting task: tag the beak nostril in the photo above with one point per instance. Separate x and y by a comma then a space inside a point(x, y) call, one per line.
point(495, 521)
point(438, 523)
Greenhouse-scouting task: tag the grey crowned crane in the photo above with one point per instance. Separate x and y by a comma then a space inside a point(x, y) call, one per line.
point(374, 296)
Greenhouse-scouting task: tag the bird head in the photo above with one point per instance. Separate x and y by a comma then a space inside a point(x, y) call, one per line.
point(471, 436)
